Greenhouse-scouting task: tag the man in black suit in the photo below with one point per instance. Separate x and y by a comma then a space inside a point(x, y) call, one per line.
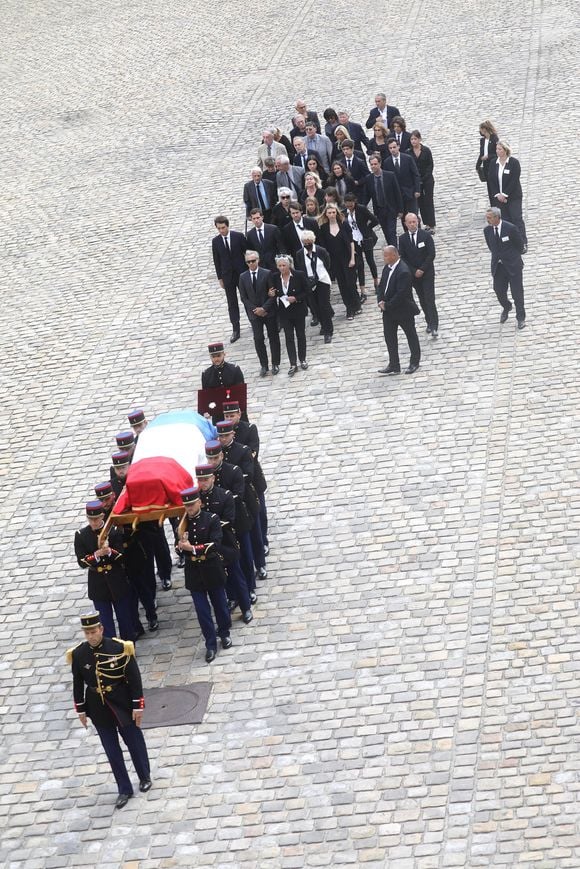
point(228, 248)
point(266, 239)
point(259, 193)
point(301, 152)
point(292, 232)
point(383, 188)
point(356, 167)
point(407, 174)
point(314, 261)
point(417, 250)
point(261, 310)
point(355, 131)
point(383, 111)
point(506, 246)
point(395, 299)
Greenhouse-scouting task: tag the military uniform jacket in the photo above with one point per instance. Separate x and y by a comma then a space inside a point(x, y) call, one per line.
point(230, 477)
point(238, 454)
point(221, 502)
point(204, 568)
point(117, 484)
point(226, 374)
point(106, 577)
point(246, 433)
point(106, 682)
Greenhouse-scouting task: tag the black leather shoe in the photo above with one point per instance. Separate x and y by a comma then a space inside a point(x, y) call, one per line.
point(253, 597)
point(389, 370)
point(504, 315)
point(266, 549)
point(292, 371)
point(328, 339)
point(232, 605)
point(521, 324)
point(304, 365)
point(412, 368)
point(314, 322)
point(262, 573)
point(428, 330)
point(145, 785)
point(263, 371)
point(210, 655)
point(275, 369)
point(235, 336)
point(525, 249)
point(181, 560)
point(122, 800)
point(139, 633)
point(247, 617)
point(434, 333)
point(153, 625)
point(226, 642)
point(166, 583)
point(363, 298)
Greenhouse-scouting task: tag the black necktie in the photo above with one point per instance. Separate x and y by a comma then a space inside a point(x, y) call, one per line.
point(379, 190)
point(496, 236)
point(396, 164)
point(226, 244)
point(254, 281)
point(414, 239)
point(260, 236)
point(312, 258)
point(348, 164)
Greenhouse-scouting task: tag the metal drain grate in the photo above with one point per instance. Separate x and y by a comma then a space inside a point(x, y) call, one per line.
point(184, 704)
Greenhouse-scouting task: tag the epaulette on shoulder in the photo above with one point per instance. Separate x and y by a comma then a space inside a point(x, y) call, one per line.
point(69, 653)
point(128, 647)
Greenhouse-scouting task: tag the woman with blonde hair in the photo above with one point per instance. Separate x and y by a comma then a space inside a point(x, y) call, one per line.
point(503, 177)
point(487, 142)
point(378, 143)
point(335, 235)
point(341, 134)
point(312, 189)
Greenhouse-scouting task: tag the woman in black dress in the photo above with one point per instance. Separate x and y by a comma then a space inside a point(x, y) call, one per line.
point(424, 160)
point(487, 153)
point(336, 236)
point(378, 143)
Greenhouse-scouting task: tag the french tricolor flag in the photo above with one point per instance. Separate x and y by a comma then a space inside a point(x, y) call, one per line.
point(167, 451)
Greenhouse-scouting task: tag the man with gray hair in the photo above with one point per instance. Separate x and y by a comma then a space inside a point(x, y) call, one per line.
point(382, 111)
point(395, 300)
point(261, 310)
point(289, 176)
point(506, 246)
point(259, 193)
point(270, 148)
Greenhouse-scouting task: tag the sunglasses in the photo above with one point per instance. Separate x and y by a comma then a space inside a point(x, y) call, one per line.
point(251, 260)
point(284, 197)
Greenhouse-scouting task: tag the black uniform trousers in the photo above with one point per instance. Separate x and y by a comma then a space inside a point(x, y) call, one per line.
point(501, 281)
point(425, 289)
point(390, 327)
point(133, 738)
point(237, 587)
point(218, 600)
point(157, 549)
point(124, 610)
point(271, 325)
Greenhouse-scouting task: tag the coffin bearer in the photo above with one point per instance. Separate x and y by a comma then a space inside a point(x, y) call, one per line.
point(137, 421)
point(107, 689)
point(200, 536)
point(126, 442)
point(108, 587)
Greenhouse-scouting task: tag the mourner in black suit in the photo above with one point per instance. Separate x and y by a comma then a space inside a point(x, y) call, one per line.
point(259, 193)
point(290, 288)
point(395, 299)
point(314, 261)
point(506, 246)
point(228, 248)
point(424, 161)
point(292, 232)
point(361, 222)
point(383, 111)
point(107, 689)
point(487, 143)
point(261, 310)
point(356, 168)
point(355, 131)
point(266, 239)
point(306, 114)
point(417, 250)
point(400, 134)
point(505, 188)
point(407, 175)
point(384, 191)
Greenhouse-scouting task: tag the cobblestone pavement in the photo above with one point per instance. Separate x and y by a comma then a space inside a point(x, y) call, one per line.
point(407, 695)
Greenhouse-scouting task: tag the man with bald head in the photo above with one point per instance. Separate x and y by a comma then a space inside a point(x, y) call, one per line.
point(395, 300)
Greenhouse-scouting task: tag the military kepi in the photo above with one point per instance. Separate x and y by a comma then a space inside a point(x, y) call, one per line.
point(136, 416)
point(92, 620)
point(224, 427)
point(202, 471)
point(212, 448)
point(215, 347)
point(188, 496)
point(103, 490)
point(125, 439)
point(231, 406)
point(95, 508)
point(120, 459)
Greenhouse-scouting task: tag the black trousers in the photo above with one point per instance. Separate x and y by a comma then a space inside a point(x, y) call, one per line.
point(271, 325)
point(133, 738)
point(501, 281)
point(157, 549)
point(321, 308)
point(388, 222)
point(231, 290)
point(369, 255)
point(425, 289)
point(512, 211)
point(295, 327)
point(390, 327)
point(346, 280)
point(426, 204)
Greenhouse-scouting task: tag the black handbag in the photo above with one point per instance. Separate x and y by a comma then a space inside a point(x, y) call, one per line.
point(481, 172)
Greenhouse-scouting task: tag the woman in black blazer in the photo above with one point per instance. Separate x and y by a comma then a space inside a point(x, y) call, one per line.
point(336, 236)
point(290, 289)
point(361, 222)
point(340, 179)
point(503, 177)
point(424, 160)
point(487, 144)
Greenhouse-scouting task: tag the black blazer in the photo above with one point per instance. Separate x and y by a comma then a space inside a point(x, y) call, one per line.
point(376, 148)
point(398, 299)
point(259, 298)
point(298, 161)
point(358, 169)
point(392, 112)
point(405, 142)
point(420, 256)
point(319, 196)
point(291, 240)
point(344, 239)
point(280, 217)
point(310, 116)
point(358, 135)
point(229, 264)
point(251, 197)
point(365, 220)
point(508, 250)
point(272, 246)
point(424, 163)
point(407, 176)
point(394, 200)
point(320, 252)
point(491, 153)
point(297, 287)
point(510, 179)
point(348, 187)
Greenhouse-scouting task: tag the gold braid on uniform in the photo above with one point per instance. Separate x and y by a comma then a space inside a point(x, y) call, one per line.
point(69, 653)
